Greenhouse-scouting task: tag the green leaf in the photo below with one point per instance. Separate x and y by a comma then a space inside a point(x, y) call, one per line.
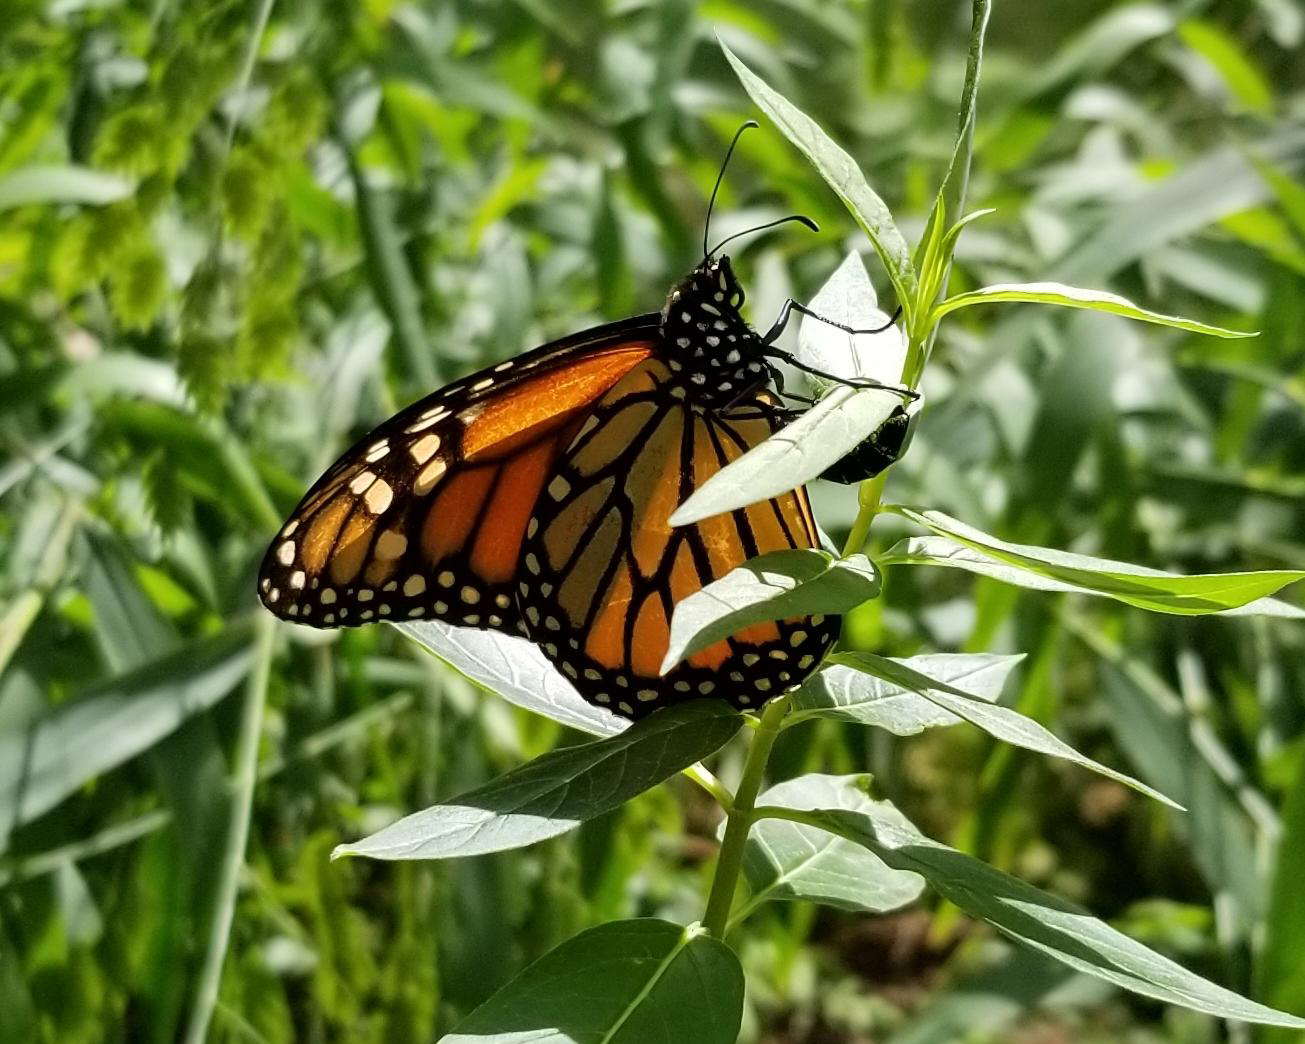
point(1245, 81)
point(391, 278)
point(1075, 297)
point(848, 297)
point(1231, 593)
point(798, 453)
point(558, 791)
point(784, 860)
point(44, 761)
point(846, 694)
point(626, 982)
point(516, 670)
point(942, 551)
point(1029, 915)
point(1003, 723)
point(775, 586)
point(841, 174)
point(69, 184)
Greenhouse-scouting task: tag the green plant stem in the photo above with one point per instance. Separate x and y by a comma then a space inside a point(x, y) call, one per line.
point(956, 185)
point(869, 494)
point(261, 18)
point(233, 858)
point(739, 823)
point(711, 785)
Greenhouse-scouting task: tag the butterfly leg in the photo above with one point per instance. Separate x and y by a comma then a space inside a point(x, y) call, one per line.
point(785, 313)
point(851, 382)
point(790, 306)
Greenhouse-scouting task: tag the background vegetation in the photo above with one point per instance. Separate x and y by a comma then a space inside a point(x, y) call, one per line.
point(234, 235)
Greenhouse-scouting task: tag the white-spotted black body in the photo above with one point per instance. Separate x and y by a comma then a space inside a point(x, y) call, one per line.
point(715, 355)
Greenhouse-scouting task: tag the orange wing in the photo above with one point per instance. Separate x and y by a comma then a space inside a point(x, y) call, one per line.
point(604, 569)
point(425, 516)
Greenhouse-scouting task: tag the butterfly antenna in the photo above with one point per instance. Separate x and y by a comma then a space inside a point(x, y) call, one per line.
point(706, 228)
point(801, 219)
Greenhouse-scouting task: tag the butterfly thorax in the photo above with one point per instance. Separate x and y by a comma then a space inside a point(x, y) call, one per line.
point(714, 353)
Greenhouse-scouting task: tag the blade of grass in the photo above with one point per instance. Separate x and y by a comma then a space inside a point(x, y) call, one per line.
point(233, 858)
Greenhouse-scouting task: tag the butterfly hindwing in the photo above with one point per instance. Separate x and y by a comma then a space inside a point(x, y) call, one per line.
point(426, 514)
point(603, 568)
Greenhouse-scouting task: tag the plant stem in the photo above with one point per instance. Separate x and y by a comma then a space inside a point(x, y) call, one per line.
point(869, 495)
point(739, 822)
point(982, 10)
point(233, 858)
point(958, 176)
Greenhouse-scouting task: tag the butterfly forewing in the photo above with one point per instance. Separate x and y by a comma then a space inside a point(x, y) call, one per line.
point(604, 569)
point(426, 514)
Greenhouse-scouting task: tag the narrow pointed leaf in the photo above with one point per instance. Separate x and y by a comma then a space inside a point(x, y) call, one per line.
point(1029, 915)
point(800, 452)
point(1154, 589)
point(848, 297)
point(785, 860)
point(53, 184)
point(627, 982)
point(559, 790)
point(847, 694)
point(1003, 723)
point(770, 587)
point(1076, 297)
point(841, 174)
point(46, 760)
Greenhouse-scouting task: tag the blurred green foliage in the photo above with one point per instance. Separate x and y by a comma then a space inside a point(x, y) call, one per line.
point(234, 235)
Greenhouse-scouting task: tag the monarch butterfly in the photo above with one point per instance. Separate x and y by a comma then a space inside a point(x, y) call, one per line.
point(533, 497)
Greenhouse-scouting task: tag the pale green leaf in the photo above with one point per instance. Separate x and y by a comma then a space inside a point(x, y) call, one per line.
point(1003, 723)
point(848, 297)
point(1054, 926)
point(852, 695)
point(776, 586)
point(69, 184)
point(1139, 586)
point(558, 791)
point(515, 669)
point(1076, 297)
point(796, 454)
point(841, 174)
point(785, 860)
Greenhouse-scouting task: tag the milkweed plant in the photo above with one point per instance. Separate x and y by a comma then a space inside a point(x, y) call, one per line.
point(817, 838)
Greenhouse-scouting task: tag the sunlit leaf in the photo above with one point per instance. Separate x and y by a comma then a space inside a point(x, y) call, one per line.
point(785, 860)
point(1003, 723)
point(1038, 919)
point(848, 694)
point(796, 454)
point(558, 791)
point(1241, 593)
point(516, 670)
point(1074, 297)
point(772, 587)
point(61, 185)
point(841, 174)
point(848, 297)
